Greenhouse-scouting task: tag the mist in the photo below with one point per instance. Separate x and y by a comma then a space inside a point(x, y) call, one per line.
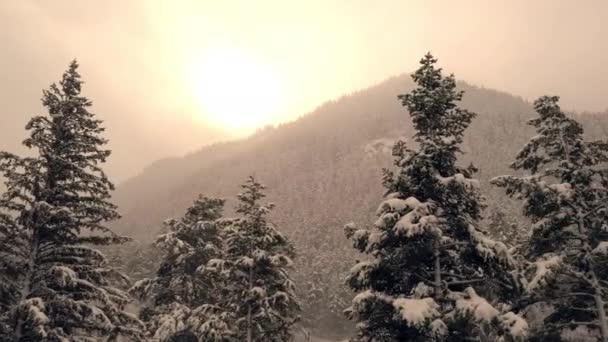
point(137, 57)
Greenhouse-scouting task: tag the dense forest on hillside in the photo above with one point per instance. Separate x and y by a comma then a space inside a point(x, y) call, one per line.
point(323, 170)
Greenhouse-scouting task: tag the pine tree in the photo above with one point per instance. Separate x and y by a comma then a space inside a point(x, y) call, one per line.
point(56, 205)
point(261, 294)
point(182, 299)
point(565, 195)
point(10, 267)
point(432, 273)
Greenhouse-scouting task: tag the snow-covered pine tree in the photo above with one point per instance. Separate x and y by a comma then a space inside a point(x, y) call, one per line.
point(431, 275)
point(566, 196)
point(56, 204)
point(261, 294)
point(182, 299)
point(11, 244)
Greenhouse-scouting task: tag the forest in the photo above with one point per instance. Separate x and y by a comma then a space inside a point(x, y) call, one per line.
point(420, 209)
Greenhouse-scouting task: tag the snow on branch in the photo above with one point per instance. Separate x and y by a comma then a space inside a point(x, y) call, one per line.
point(544, 268)
point(469, 302)
point(460, 180)
point(602, 248)
point(416, 312)
point(413, 217)
point(515, 325)
point(490, 249)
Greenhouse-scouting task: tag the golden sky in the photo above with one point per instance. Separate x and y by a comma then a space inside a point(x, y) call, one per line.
point(145, 61)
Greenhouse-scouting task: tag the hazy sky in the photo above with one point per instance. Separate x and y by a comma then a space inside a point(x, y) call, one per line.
point(145, 62)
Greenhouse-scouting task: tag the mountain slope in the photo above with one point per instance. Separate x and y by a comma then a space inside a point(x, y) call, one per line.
point(306, 152)
point(324, 170)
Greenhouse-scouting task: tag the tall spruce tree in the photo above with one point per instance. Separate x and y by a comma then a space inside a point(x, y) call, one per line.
point(56, 204)
point(11, 262)
point(432, 274)
point(182, 299)
point(260, 293)
point(566, 196)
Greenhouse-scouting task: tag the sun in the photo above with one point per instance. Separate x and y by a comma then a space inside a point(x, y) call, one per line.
point(236, 92)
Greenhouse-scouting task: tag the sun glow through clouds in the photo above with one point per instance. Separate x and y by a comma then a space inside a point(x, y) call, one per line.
point(235, 91)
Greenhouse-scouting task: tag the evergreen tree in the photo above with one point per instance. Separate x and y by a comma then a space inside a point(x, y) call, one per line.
point(56, 204)
point(502, 228)
point(565, 195)
point(431, 272)
point(181, 299)
point(11, 241)
point(261, 294)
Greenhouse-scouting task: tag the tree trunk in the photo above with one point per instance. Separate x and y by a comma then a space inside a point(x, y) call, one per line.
point(437, 255)
point(27, 283)
point(601, 313)
point(249, 313)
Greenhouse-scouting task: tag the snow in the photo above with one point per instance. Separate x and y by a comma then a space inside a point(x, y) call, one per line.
point(416, 311)
point(101, 318)
point(450, 140)
point(364, 297)
point(422, 290)
point(281, 260)
point(459, 179)
point(350, 225)
point(258, 292)
point(414, 224)
point(35, 308)
point(544, 268)
point(602, 248)
point(215, 263)
point(361, 270)
point(489, 248)
point(375, 238)
point(549, 220)
point(478, 306)
point(172, 322)
point(563, 189)
point(65, 276)
point(386, 219)
point(398, 205)
point(515, 325)
point(537, 137)
point(393, 195)
point(247, 261)
point(360, 234)
point(417, 220)
point(438, 328)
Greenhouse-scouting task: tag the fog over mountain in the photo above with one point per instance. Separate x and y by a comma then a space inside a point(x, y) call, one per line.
point(140, 59)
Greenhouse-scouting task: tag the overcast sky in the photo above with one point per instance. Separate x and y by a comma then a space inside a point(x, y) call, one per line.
point(138, 56)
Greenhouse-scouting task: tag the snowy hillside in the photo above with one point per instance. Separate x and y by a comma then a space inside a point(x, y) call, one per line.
point(322, 171)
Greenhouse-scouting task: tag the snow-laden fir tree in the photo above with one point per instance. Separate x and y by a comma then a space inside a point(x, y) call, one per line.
point(55, 285)
point(261, 294)
point(10, 263)
point(565, 195)
point(431, 274)
point(182, 299)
